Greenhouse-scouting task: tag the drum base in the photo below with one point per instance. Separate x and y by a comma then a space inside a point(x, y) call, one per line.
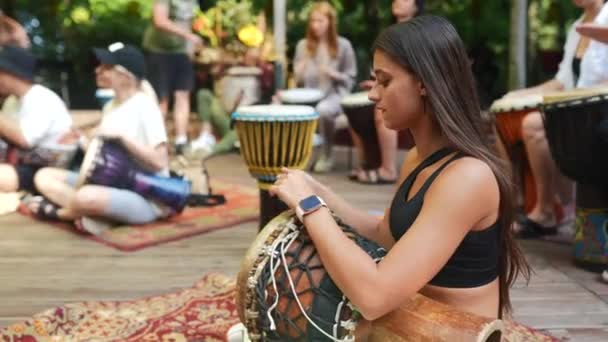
point(591, 238)
point(270, 207)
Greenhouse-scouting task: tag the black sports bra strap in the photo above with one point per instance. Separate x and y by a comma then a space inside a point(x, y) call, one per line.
point(432, 177)
point(432, 159)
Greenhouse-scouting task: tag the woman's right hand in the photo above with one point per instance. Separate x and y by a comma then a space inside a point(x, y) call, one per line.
point(314, 184)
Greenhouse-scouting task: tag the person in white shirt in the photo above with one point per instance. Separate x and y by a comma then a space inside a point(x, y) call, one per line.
point(36, 119)
point(584, 65)
point(136, 120)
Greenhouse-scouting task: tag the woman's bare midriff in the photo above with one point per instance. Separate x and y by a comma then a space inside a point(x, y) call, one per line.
point(482, 300)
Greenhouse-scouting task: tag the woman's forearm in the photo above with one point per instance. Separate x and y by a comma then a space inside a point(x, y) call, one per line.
point(153, 159)
point(353, 271)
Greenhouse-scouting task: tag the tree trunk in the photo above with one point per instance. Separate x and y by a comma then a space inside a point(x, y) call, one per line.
point(280, 41)
point(517, 44)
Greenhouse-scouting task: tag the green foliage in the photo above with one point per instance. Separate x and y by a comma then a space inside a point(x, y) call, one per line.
point(220, 23)
point(69, 29)
point(548, 23)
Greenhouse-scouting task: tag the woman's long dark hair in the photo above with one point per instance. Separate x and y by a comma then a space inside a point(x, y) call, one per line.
point(430, 48)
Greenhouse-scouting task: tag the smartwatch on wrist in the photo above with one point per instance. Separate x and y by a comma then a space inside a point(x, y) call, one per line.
point(309, 205)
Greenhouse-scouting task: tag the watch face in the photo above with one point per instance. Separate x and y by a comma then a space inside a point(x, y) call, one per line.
point(309, 203)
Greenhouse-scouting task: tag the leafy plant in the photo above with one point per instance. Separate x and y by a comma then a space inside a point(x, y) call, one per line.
point(220, 24)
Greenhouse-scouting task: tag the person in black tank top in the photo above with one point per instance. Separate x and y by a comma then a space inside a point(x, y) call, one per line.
point(447, 228)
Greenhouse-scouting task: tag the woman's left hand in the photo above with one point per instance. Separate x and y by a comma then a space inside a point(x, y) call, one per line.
point(291, 187)
point(331, 73)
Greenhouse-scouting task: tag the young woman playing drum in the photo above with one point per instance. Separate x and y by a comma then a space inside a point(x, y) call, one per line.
point(325, 61)
point(584, 65)
point(448, 227)
point(135, 120)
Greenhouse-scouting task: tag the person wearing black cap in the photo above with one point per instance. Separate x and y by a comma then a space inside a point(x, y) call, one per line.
point(135, 119)
point(39, 119)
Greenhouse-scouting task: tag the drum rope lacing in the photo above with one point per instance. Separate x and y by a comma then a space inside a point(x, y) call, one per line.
point(284, 243)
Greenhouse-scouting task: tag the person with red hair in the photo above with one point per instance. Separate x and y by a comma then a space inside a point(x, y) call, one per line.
point(325, 61)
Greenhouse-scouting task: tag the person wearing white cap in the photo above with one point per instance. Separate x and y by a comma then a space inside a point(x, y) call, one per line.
point(135, 119)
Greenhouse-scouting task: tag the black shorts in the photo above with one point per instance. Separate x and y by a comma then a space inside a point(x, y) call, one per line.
point(25, 175)
point(169, 72)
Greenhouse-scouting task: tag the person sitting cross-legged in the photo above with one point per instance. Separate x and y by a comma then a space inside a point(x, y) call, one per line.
point(135, 120)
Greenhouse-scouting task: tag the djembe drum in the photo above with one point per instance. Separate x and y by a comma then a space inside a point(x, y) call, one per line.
point(272, 137)
point(360, 113)
point(285, 294)
point(301, 96)
point(108, 163)
point(510, 113)
point(576, 125)
point(56, 155)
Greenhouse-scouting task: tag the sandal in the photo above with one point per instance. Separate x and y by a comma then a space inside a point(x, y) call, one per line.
point(200, 200)
point(530, 229)
point(372, 177)
point(354, 173)
point(46, 210)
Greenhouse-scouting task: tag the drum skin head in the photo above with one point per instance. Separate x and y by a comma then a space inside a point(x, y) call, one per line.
point(300, 95)
point(356, 99)
point(275, 113)
point(505, 105)
point(574, 94)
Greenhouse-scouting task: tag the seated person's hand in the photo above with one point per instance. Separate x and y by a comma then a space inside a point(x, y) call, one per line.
point(196, 41)
point(291, 187)
point(594, 31)
point(72, 137)
point(331, 73)
point(520, 92)
point(275, 99)
point(366, 85)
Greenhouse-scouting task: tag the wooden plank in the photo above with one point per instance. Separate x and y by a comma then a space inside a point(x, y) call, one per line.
point(42, 266)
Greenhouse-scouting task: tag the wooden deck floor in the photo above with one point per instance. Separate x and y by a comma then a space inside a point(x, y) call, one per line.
point(41, 266)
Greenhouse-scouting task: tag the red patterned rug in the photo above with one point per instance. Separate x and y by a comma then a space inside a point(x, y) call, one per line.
point(202, 313)
point(242, 205)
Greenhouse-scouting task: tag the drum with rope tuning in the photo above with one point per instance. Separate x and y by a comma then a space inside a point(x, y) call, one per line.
point(576, 126)
point(284, 293)
point(108, 163)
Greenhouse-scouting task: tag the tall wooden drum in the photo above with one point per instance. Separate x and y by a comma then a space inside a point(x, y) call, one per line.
point(576, 125)
point(510, 113)
point(360, 113)
point(272, 137)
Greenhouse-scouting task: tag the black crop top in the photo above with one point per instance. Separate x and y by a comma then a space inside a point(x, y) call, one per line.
point(475, 261)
